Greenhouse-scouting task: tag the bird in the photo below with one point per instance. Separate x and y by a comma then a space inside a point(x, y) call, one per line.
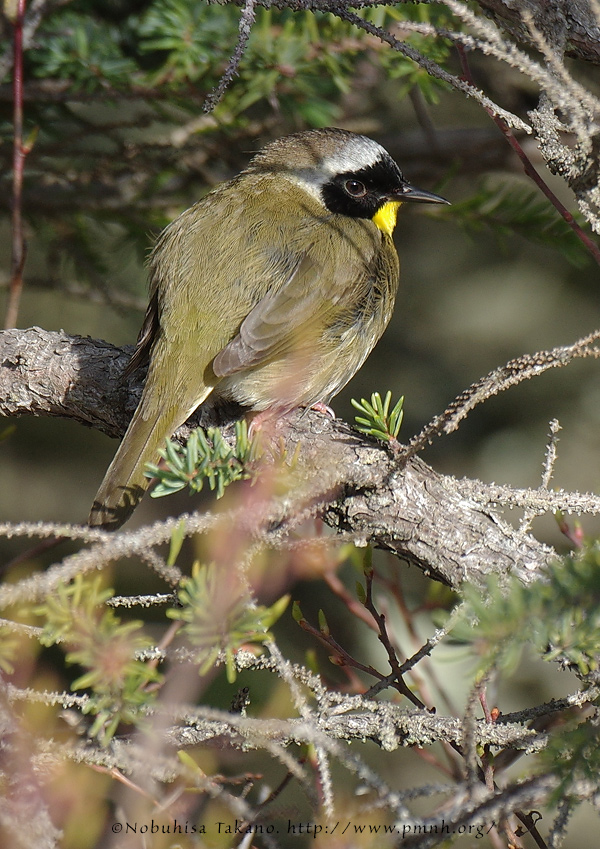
point(268, 293)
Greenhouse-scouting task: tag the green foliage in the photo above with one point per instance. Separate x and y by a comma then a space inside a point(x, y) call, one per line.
point(220, 616)
point(205, 457)
point(287, 64)
point(296, 61)
point(407, 72)
point(106, 648)
point(518, 208)
point(84, 50)
point(361, 594)
point(558, 615)
point(377, 419)
point(177, 537)
point(189, 39)
point(574, 755)
point(297, 612)
point(299, 61)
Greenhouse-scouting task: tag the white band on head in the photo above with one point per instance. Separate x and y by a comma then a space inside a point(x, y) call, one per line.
point(357, 153)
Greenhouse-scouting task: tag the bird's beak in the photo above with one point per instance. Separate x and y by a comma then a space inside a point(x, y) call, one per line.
point(406, 192)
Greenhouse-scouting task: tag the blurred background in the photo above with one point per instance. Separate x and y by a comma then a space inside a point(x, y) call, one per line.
point(120, 145)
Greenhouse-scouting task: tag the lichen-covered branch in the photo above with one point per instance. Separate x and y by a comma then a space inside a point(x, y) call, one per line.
point(445, 527)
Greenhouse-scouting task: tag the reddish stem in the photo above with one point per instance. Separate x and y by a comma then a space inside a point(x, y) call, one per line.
point(528, 167)
point(19, 154)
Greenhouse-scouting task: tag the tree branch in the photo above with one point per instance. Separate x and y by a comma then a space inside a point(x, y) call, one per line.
point(580, 28)
point(428, 519)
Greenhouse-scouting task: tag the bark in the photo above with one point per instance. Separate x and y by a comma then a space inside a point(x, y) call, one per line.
point(572, 25)
point(429, 520)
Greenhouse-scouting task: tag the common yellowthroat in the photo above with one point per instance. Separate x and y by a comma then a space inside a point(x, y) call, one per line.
point(270, 292)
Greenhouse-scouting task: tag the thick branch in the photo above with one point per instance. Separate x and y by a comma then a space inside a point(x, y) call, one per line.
point(573, 23)
point(426, 518)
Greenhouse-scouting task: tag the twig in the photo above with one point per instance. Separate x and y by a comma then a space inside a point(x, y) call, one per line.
point(528, 167)
point(547, 472)
point(384, 639)
point(432, 68)
point(342, 658)
point(514, 372)
point(19, 154)
point(247, 19)
point(530, 824)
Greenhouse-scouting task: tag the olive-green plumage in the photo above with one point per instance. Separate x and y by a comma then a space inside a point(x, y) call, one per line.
point(270, 292)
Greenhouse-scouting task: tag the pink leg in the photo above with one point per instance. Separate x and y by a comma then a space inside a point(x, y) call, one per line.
point(320, 407)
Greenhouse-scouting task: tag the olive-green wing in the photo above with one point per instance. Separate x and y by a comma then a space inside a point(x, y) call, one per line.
point(286, 317)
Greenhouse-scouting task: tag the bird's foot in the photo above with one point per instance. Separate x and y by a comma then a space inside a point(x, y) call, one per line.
point(321, 407)
point(258, 421)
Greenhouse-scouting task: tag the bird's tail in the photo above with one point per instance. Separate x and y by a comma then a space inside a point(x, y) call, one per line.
point(124, 483)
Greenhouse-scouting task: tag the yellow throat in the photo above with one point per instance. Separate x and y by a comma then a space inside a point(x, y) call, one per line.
point(385, 217)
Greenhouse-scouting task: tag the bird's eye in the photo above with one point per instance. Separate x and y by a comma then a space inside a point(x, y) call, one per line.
point(355, 188)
